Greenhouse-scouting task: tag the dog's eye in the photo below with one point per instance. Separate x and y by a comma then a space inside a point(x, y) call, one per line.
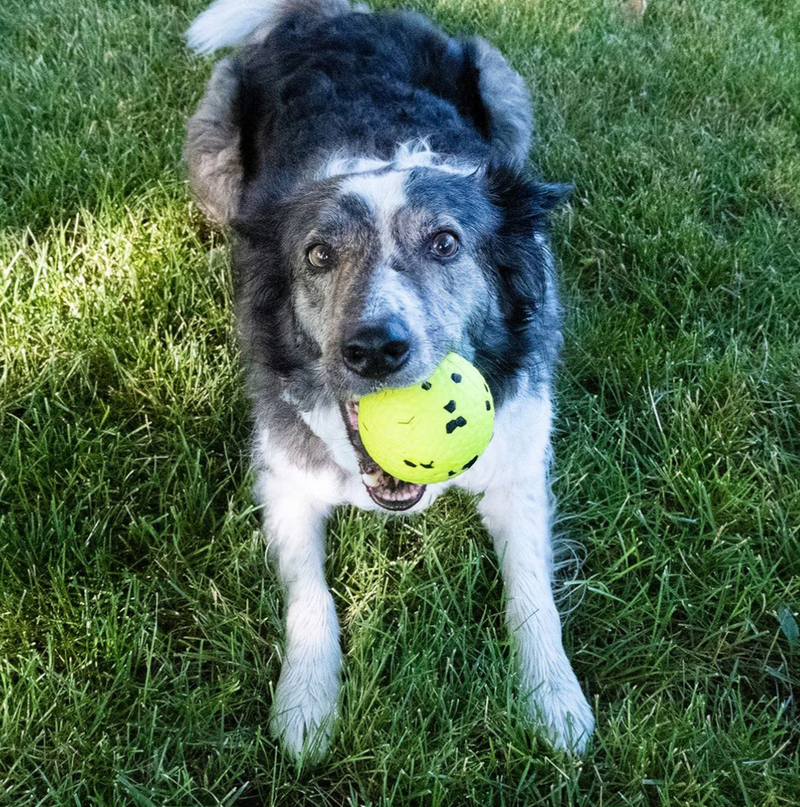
point(444, 244)
point(320, 256)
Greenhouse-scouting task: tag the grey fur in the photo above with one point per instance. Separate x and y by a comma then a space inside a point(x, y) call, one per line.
point(508, 101)
point(323, 9)
point(211, 149)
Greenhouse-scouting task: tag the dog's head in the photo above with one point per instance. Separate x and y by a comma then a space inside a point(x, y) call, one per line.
point(368, 278)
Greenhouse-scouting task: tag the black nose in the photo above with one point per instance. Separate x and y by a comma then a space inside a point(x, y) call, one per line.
point(377, 349)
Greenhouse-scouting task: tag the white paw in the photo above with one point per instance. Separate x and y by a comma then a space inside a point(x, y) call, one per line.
point(560, 709)
point(305, 709)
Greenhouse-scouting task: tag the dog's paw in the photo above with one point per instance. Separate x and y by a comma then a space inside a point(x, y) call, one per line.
point(305, 710)
point(559, 709)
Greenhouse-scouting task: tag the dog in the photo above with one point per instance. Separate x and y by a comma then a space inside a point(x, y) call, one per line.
point(372, 171)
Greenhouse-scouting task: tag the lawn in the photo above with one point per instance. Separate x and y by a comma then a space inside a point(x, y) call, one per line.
point(140, 634)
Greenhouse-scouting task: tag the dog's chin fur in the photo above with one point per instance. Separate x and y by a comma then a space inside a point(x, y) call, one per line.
point(338, 145)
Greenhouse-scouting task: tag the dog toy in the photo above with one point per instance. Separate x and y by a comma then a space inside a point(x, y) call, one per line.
point(433, 430)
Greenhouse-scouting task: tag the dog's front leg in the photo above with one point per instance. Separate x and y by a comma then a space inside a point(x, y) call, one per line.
point(517, 515)
point(306, 699)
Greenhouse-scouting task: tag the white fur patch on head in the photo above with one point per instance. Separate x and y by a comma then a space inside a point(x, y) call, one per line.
point(414, 154)
point(383, 193)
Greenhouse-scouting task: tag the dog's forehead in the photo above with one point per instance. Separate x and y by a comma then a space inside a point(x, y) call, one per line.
point(458, 196)
point(381, 193)
point(426, 192)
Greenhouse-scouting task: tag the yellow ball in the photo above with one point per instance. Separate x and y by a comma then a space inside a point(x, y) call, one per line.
point(431, 431)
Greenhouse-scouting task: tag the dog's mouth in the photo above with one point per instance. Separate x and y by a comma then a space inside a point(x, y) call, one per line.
point(385, 490)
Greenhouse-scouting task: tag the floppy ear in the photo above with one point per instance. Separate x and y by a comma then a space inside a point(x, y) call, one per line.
point(551, 195)
point(506, 102)
point(525, 204)
point(475, 77)
point(213, 145)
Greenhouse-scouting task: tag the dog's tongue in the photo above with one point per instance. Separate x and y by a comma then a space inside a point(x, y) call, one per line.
point(384, 489)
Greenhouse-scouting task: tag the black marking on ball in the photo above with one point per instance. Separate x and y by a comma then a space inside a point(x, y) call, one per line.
point(456, 377)
point(488, 406)
point(451, 473)
point(455, 424)
point(426, 385)
point(470, 463)
point(410, 464)
point(428, 466)
point(486, 386)
point(450, 407)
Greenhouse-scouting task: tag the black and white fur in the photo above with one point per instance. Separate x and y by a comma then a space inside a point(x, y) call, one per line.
point(371, 168)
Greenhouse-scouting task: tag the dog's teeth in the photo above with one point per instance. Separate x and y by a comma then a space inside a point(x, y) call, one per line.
point(371, 480)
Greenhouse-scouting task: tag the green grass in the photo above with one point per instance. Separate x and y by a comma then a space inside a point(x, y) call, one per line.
point(139, 632)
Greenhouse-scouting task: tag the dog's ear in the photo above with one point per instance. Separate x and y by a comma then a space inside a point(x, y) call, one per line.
point(213, 145)
point(475, 77)
point(550, 195)
point(505, 101)
point(524, 203)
